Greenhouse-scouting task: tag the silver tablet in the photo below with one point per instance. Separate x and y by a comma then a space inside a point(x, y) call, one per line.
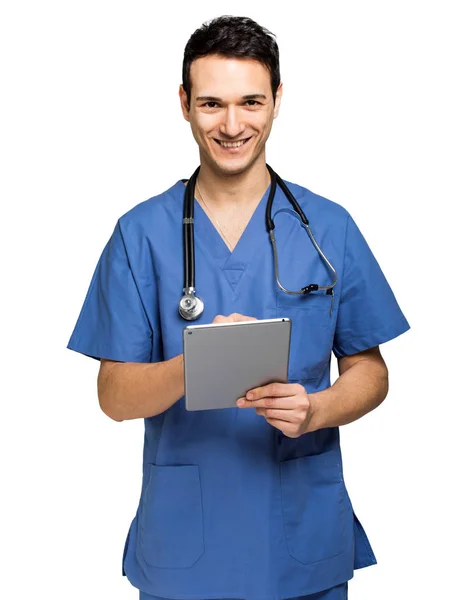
point(222, 361)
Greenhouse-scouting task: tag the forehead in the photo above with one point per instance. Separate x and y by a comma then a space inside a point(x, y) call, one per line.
point(224, 77)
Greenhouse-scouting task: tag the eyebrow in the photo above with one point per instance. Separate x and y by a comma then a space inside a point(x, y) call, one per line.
point(215, 99)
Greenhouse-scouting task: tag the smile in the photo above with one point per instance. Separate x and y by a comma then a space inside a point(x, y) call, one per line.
point(237, 144)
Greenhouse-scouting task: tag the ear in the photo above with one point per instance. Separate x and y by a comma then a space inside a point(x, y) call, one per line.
point(184, 103)
point(278, 100)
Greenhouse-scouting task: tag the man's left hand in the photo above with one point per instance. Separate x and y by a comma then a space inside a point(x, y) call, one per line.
point(285, 406)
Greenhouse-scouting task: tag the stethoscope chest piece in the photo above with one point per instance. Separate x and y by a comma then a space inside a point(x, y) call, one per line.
point(190, 305)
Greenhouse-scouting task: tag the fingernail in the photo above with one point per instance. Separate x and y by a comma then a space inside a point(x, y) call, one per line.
point(240, 402)
point(249, 395)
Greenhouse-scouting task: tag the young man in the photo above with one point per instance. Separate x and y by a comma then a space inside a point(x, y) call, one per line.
point(247, 502)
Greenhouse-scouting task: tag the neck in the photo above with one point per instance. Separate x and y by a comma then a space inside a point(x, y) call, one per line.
point(226, 189)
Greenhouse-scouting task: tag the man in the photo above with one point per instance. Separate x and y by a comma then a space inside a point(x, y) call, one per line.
point(247, 502)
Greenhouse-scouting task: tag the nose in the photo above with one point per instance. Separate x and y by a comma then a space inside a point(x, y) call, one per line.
point(232, 125)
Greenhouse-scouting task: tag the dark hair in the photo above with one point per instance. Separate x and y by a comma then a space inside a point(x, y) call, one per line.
point(235, 37)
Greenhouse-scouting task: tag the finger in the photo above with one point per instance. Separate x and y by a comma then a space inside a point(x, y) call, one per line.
point(233, 318)
point(220, 319)
point(289, 430)
point(275, 390)
point(237, 317)
point(284, 403)
point(288, 416)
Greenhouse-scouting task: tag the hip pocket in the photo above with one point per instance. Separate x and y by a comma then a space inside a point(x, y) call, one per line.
point(171, 523)
point(313, 504)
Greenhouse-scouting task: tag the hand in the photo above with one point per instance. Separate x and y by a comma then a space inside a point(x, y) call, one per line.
point(233, 318)
point(285, 406)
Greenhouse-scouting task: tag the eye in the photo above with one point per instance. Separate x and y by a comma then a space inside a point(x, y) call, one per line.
point(207, 104)
point(255, 102)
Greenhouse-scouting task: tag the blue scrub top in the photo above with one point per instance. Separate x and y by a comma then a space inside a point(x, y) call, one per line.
point(229, 506)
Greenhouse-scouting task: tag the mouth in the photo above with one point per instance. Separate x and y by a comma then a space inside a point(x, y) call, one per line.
point(232, 147)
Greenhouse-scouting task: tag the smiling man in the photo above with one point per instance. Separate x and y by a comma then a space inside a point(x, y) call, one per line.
point(247, 502)
point(230, 127)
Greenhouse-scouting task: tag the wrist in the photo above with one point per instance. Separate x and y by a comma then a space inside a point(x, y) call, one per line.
point(318, 403)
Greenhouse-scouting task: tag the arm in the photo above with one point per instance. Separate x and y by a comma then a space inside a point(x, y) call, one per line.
point(361, 387)
point(129, 390)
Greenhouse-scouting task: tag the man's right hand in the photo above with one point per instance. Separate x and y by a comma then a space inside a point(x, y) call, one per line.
point(233, 318)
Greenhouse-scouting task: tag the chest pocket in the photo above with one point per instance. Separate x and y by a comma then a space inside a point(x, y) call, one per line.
point(312, 333)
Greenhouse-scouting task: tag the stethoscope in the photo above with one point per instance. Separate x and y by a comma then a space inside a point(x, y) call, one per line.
point(190, 305)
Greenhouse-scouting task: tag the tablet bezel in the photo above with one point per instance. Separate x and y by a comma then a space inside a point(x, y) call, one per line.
point(210, 379)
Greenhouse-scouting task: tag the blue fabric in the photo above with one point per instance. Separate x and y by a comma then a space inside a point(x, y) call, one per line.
point(339, 592)
point(229, 506)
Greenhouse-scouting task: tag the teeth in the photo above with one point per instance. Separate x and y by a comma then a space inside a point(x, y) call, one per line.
point(232, 144)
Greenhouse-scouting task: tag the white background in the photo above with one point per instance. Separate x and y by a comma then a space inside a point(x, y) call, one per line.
point(377, 116)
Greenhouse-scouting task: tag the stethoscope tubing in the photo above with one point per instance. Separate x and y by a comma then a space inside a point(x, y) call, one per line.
point(191, 306)
point(188, 219)
point(276, 180)
point(188, 232)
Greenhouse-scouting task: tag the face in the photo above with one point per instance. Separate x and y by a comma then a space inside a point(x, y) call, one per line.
point(231, 111)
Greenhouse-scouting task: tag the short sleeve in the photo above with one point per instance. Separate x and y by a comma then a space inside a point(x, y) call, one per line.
point(113, 323)
point(368, 313)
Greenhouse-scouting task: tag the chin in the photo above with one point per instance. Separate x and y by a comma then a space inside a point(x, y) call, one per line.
point(234, 167)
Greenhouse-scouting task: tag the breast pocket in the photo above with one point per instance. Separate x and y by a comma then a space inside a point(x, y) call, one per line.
point(171, 523)
point(311, 335)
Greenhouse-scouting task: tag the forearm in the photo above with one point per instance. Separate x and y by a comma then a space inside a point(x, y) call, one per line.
point(358, 390)
point(138, 390)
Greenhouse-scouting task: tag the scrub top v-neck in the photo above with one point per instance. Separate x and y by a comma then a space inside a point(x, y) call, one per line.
point(229, 506)
point(231, 262)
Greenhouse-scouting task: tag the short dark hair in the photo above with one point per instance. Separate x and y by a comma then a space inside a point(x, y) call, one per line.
point(234, 37)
